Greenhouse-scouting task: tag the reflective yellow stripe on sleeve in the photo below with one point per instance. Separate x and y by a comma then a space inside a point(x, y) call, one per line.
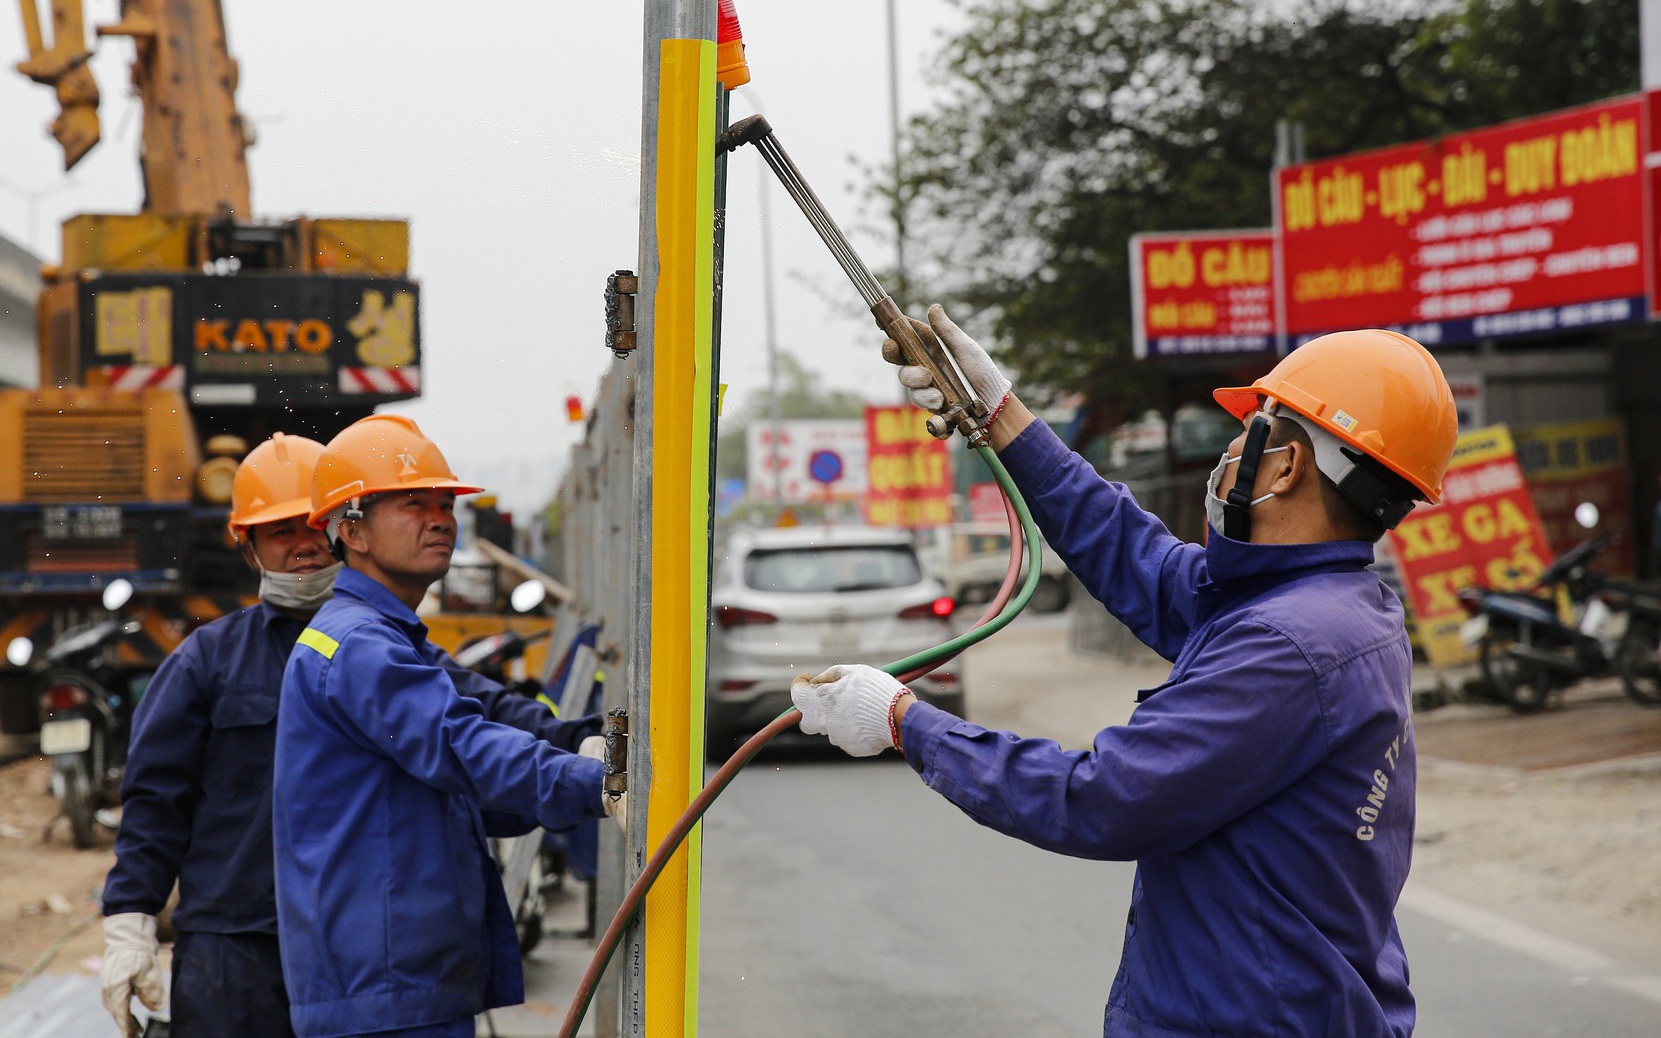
point(314, 639)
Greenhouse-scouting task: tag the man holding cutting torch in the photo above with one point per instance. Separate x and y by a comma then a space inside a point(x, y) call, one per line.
point(1265, 790)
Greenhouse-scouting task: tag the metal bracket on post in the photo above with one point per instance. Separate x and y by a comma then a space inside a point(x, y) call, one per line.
point(616, 732)
point(621, 288)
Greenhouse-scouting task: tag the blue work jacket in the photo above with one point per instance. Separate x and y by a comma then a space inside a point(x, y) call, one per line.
point(390, 910)
point(1265, 790)
point(196, 793)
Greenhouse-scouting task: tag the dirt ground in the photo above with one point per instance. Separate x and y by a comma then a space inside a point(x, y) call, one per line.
point(48, 889)
point(1553, 820)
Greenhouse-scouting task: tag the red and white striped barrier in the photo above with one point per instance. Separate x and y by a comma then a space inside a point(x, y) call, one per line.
point(380, 380)
point(134, 377)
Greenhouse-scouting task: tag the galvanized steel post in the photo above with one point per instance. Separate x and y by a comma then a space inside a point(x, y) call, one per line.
point(674, 371)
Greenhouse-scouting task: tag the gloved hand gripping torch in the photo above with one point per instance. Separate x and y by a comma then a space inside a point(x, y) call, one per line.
point(964, 410)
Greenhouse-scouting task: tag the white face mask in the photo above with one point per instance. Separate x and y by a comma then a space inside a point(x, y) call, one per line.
point(303, 592)
point(1213, 503)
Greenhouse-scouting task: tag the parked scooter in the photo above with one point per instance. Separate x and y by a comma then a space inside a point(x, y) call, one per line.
point(1638, 657)
point(86, 701)
point(1528, 650)
point(494, 654)
point(531, 866)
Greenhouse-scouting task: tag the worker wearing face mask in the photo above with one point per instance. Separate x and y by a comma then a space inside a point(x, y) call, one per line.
point(1265, 790)
point(196, 793)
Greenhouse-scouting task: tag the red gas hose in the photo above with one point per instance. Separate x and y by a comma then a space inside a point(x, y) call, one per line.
point(724, 775)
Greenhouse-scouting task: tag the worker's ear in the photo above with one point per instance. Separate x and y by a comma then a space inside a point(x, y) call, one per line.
point(1290, 468)
point(354, 534)
point(246, 544)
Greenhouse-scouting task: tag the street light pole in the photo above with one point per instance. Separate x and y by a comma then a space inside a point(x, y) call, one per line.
point(772, 341)
point(901, 286)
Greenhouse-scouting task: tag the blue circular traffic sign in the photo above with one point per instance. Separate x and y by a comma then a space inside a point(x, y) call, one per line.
point(825, 466)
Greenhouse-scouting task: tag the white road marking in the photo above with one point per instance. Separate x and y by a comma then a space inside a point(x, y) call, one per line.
point(1554, 951)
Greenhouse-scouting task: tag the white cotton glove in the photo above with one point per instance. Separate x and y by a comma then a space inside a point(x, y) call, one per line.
point(983, 376)
point(595, 746)
point(130, 968)
point(851, 704)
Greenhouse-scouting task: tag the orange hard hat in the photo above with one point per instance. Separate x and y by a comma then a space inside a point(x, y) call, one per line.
point(374, 455)
point(1376, 391)
point(273, 482)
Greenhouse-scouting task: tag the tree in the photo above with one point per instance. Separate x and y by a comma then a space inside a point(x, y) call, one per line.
point(1069, 125)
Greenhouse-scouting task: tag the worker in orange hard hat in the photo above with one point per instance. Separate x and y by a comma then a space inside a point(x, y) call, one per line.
point(196, 791)
point(1265, 790)
point(392, 913)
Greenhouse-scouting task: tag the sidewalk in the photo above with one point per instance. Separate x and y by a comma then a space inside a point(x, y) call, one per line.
point(553, 970)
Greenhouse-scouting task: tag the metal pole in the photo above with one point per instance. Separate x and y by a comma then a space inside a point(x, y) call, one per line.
point(671, 456)
point(772, 342)
point(902, 282)
point(902, 287)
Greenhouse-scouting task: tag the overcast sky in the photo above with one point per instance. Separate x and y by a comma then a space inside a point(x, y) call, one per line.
point(508, 133)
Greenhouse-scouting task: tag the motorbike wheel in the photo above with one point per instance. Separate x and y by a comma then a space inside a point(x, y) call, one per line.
point(1640, 665)
point(74, 788)
point(1525, 686)
point(527, 915)
point(1050, 596)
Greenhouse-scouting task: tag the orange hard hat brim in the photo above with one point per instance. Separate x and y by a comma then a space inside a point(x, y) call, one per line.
point(318, 518)
point(272, 514)
point(1238, 401)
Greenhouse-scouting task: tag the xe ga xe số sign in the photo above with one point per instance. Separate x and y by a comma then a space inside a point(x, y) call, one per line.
point(1202, 292)
point(1485, 532)
point(1527, 227)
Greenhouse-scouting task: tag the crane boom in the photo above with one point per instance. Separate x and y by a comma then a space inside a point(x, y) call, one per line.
point(194, 152)
point(62, 65)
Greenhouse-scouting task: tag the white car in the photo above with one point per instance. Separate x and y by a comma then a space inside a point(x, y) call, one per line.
point(796, 601)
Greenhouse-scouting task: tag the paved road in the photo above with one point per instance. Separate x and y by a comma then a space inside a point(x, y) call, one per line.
point(845, 898)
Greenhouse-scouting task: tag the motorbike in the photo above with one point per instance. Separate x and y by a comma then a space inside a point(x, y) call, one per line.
point(1528, 649)
point(86, 697)
point(528, 874)
point(533, 866)
point(494, 654)
point(1639, 656)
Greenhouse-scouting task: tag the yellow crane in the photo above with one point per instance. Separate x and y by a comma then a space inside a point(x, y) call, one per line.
point(172, 338)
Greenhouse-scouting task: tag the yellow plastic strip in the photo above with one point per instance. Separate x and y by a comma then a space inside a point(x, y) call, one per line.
point(682, 356)
point(312, 638)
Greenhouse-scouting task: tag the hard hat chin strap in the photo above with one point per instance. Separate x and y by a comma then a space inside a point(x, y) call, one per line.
point(1237, 515)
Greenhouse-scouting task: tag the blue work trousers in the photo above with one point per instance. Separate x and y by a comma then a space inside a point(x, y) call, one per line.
point(228, 984)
